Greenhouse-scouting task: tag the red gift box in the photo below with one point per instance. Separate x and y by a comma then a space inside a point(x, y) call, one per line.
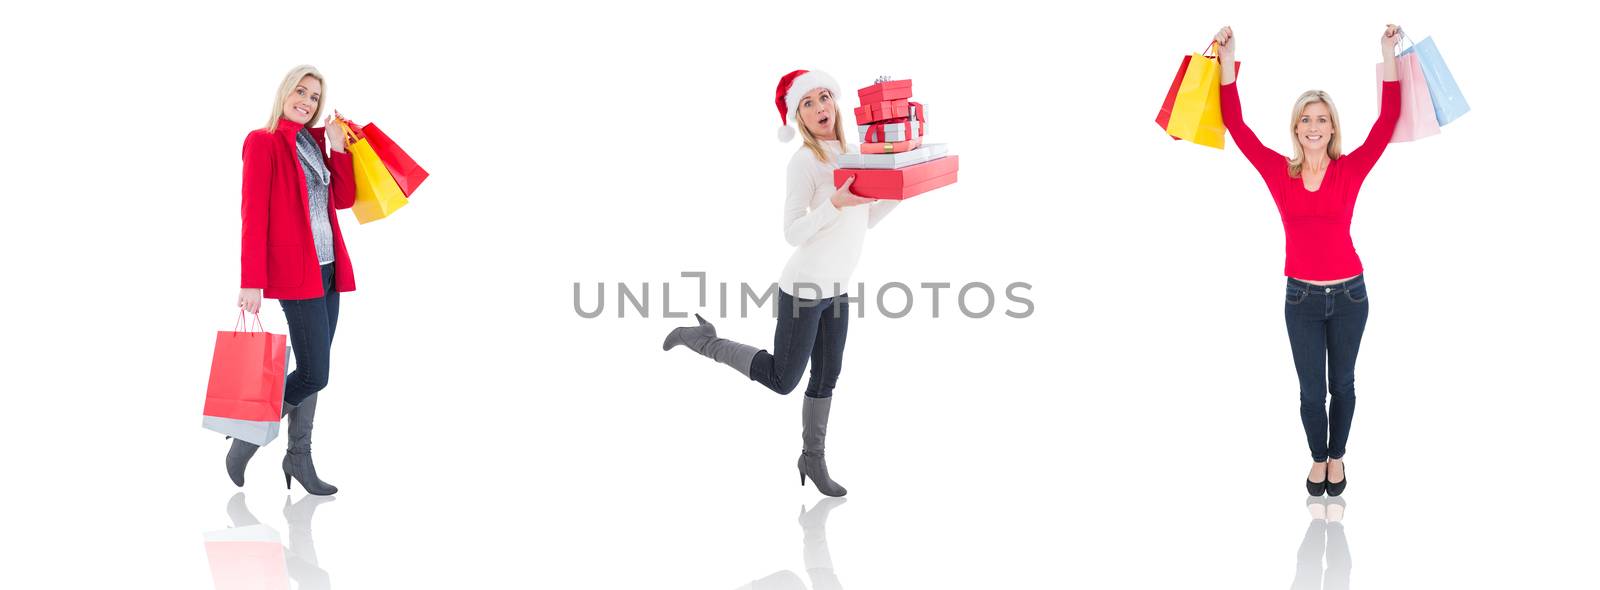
point(874, 112)
point(875, 132)
point(893, 147)
point(900, 183)
point(885, 91)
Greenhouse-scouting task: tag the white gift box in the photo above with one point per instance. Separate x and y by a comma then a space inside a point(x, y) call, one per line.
point(928, 151)
point(891, 132)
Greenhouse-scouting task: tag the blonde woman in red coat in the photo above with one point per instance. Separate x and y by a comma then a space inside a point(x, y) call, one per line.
point(292, 251)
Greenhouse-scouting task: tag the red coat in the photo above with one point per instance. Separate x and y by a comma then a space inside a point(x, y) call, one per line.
point(276, 253)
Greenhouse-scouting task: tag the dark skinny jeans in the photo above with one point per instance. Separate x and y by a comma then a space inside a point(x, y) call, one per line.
point(814, 327)
point(1325, 325)
point(311, 324)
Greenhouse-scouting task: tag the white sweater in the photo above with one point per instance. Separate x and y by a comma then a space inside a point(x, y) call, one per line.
point(827, 240)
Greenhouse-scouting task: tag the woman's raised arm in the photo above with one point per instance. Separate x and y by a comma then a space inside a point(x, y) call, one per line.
point(1269, 163)
point(1391, 37)
point(1225, 47)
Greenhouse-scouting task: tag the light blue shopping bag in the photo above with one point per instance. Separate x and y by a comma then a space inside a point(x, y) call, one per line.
point(1448, 103)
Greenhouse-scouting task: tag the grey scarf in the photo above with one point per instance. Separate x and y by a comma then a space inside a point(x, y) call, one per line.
point(311, 158)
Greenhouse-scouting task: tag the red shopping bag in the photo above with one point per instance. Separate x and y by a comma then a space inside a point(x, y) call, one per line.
point(1416, 105)
point(1165, 114)
point(244, 397)
point(406, 172)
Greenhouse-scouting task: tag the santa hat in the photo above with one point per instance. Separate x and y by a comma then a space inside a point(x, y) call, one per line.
point(792, 87)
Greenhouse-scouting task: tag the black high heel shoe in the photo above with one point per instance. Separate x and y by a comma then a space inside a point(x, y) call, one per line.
point(1316, 488)
point(1336, 488)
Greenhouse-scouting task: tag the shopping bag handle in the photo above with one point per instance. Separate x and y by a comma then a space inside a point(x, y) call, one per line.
point(350, 135)
point(246, 327)
point(1398, 51)
point(354, 128)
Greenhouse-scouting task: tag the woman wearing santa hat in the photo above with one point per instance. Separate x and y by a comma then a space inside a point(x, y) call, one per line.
point(827, 228)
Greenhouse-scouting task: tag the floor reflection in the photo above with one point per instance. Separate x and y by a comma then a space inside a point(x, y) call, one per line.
point(251, 555)
point(1324, 539)
point(818, 561)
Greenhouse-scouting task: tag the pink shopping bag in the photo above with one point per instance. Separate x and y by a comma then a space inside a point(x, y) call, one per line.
point(1416, 106)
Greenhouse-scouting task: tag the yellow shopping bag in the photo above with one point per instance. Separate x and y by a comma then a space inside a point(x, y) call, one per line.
point(377, 194)
point(1197, 108)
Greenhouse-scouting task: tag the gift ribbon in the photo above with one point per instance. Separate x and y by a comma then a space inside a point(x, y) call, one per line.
point(874, 133)
point(878, 133)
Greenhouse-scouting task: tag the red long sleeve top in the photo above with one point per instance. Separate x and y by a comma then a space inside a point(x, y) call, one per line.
point(276, 252)
point(1316, 224)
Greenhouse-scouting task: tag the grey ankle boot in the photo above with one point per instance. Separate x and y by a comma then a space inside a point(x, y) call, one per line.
point(703, 339)
point(238, 456)
point(297, 462)
point(240, 453)
point(814, 423)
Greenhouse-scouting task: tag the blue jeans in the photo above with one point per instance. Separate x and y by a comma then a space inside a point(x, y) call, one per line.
point(1325, 326)
point(814, 327)
point(311, 323)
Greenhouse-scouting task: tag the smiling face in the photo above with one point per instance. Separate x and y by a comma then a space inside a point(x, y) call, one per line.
point(816, 111)
point(1315, 128)
point(303, 101)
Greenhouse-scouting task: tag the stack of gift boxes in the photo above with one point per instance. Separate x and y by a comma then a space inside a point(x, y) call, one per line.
point(894, 163)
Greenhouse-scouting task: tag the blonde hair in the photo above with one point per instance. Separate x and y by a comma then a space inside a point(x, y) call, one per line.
point(1306, 99)
point(291, 80)
point(811, 140)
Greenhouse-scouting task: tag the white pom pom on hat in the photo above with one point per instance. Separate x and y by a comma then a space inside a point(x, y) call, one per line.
point(791, 88)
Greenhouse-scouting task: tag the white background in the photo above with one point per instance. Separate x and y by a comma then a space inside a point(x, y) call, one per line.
point(1140, 430)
